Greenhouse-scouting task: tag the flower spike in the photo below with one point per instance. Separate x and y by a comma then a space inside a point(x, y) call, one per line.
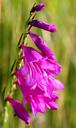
point(34, 71)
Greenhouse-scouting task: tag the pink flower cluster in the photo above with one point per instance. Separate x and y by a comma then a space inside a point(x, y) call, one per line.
point(36, 77)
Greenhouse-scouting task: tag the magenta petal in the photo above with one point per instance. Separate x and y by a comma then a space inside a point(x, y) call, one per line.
point(33, 105)
point(19, 109)
point(54, 95)
point(43, 25)
point(37, 104)
point(40, 105)
point(30, 54)
point(49, 66)
point(56, 83)
point(55, 68)
point(53, 105)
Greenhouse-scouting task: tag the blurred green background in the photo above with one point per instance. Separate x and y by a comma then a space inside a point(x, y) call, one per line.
point(13, 14)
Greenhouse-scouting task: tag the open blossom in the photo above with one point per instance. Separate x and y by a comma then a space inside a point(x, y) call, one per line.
point(43, 25)
point(19, 109)
point(36, 84)
point(38, 7)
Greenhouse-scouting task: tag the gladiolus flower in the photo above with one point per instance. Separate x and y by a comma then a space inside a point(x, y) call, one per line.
point(19, 109)
point(36, 84)
point(43, 25)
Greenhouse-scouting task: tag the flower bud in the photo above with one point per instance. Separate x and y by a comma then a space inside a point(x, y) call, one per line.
point(37, 7)
point(19, 109)
point(43, 25)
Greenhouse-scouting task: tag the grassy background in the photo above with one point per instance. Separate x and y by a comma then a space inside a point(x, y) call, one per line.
point(13, 14)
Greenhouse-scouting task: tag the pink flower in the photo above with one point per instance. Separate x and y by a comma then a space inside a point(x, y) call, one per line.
point(19, 109)
point(37, 84)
